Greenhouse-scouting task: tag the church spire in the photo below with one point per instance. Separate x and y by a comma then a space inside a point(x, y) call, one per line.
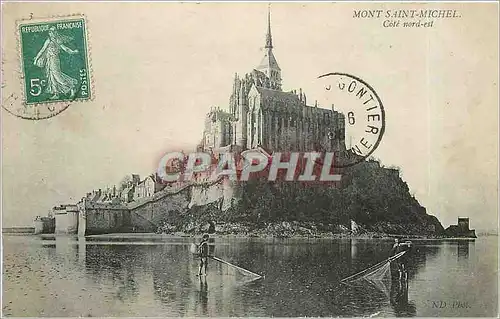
point(268, 64)
point(269, 38)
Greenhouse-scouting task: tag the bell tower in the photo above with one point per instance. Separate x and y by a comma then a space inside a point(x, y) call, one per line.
point(269, 66)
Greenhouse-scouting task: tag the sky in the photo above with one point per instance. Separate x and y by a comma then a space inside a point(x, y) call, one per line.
point(157, 68)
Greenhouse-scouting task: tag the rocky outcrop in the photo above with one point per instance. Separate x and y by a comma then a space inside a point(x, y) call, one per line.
point(454, 231)
point(460, 230)
point(373, 196)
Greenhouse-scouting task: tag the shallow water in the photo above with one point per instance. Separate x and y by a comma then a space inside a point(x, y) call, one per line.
point(65, 276)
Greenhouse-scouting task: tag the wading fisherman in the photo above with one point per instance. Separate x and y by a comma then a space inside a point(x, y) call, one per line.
point(203, 252)
point(402, 261)
point(211, 232)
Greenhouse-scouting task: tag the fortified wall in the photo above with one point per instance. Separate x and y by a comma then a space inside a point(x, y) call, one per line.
point(146, 215)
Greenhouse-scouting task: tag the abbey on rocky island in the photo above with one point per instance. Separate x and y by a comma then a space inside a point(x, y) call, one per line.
point(261, 114)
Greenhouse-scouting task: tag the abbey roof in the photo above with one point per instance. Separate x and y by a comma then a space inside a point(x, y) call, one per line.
point(287, 97)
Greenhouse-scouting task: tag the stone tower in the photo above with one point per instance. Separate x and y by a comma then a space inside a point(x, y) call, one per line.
point(269, 66)
point(242, 110)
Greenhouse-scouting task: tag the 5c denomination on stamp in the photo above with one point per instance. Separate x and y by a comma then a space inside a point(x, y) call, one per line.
point(55, 66)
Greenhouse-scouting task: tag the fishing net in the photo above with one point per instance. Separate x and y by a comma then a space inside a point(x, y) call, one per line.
point(379, 274)
point(224, 267)
point(376, 273)
point(235, 270)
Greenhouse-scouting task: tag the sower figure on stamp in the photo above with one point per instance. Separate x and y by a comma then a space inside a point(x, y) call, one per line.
point(48, 58)
point(203, 252)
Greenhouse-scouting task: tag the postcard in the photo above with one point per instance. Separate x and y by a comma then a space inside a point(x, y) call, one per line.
point(309, 159)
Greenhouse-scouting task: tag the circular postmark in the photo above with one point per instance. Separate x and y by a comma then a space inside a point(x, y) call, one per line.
point(362, 116)
point(14, 104)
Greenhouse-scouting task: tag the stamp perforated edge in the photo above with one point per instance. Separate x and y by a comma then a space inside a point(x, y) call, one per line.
point(64, 104)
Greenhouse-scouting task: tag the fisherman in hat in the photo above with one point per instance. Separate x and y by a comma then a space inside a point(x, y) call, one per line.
point(403, 260)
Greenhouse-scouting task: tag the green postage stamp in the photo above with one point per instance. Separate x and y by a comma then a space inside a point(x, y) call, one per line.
point(55, 62)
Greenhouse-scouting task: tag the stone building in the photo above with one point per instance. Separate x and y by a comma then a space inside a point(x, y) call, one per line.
point(44, 225)
point(103, 196)
point(461, 229)
point(261, 114)
point(66, 219)
point(146, 188)
point(127, 194)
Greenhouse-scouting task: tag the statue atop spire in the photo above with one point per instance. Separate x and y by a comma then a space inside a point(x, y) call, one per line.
point(269, 38)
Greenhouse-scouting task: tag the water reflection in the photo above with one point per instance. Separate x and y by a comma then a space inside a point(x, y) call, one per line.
point(294, 271)
point(172, 276)
point(399, 299)
point(354, 250)
point(115, 268)
point(82, 250)
point(463, 249)
point(302, 277)
point(204, 295)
